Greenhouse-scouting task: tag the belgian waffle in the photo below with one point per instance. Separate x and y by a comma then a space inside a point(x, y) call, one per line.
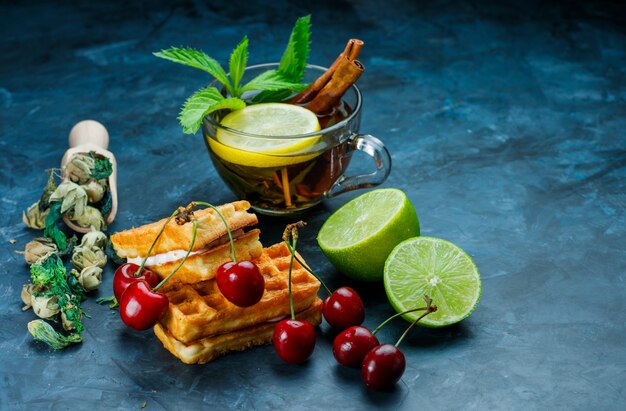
point(203, 266)
point(209, 348)
point(199, 310)
point(136, 241)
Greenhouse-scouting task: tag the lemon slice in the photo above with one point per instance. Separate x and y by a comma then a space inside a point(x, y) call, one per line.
point(271, 119)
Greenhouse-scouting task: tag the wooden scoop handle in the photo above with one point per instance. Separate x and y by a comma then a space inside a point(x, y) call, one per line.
point(89, 132)
point(86, 136)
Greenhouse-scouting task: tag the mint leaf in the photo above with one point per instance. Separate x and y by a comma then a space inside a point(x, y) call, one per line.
point(203, 102)
point(272, 80)
point(296, 54)
point(238, 61)
point(293, 61)
point(196, 59)
point(271, 96)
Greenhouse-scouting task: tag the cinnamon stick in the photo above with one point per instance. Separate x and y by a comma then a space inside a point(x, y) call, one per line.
point(351, 52)
point(286, 191)
point(347, 73)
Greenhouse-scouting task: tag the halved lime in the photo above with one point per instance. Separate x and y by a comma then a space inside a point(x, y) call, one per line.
point(437, 268)
point(359, 236)
point(272, 120)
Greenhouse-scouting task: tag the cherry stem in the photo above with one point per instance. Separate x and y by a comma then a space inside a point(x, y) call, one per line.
point(193, 241)
point(396, 316)
point(293, 255)
point(429, 309)
point(143, 262)
point(230, 236)
point(306, 267)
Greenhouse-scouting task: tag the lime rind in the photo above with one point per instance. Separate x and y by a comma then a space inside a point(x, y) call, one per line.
point(437, 268)
point(341, 230)
point(359, 236)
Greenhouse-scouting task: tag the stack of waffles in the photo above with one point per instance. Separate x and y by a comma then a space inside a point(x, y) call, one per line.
point(200, 324)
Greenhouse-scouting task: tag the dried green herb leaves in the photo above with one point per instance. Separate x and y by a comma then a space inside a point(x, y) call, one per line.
point(34, 217)
point(91, 218)
point(42, 331)
point(73, 198)
point(38, 250)
point(84, 198)
point(102, 167)
point(89, 278)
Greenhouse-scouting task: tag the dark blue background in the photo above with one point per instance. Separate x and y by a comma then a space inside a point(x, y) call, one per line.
point(507, 128)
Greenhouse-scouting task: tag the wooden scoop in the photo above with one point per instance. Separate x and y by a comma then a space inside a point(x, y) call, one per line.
point(86, 136)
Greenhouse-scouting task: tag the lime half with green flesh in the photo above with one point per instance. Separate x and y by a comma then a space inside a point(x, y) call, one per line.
point(359, 236)
point(277, 121)
point(437, 268)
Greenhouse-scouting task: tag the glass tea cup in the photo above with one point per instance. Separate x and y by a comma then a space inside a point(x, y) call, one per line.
point(284, 175)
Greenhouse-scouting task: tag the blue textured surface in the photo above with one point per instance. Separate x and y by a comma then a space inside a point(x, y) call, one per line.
point(506, 124)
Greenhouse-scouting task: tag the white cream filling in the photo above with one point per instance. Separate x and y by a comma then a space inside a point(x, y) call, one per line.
point(176, 255)
point(163, 258)
point(277, 319)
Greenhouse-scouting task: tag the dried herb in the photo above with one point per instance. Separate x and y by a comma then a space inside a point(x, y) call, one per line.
point(52, 230)
point(52, 291)
point(89, 278)
point(38, 250)
point(95, 190)
point(71, 243)
point(78, 169)
point(51, 274)
point(47, 192)
point(102, 168)
point(84, 257)
point(45, 306)
point(34, 217)
point(94, 239)
point(42, 331)
point(27, 294)
point(106, 203)
point(91, 218)
point(73, 198)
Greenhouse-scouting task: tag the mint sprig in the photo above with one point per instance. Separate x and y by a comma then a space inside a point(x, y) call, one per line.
point(196, 59)
point(272, 80)
point(202, 103)
point(292, 63)
point(237, 64)
point(273, 85)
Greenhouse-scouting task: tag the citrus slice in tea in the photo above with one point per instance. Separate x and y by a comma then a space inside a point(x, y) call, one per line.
point(437, 268)
point(270, 119)
point(359, 236)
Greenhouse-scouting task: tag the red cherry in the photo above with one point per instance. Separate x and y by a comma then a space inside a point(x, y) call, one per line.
point(382, 367)
point(241, 283)
point(351, 345)
point(126, 274)
point(343, 308)
point(294, 340)
point(140, 307)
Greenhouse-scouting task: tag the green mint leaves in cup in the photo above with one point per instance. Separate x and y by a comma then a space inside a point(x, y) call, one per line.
point(272, 85)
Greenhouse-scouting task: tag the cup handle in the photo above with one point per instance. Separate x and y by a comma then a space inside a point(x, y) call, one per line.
point(373, 147)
